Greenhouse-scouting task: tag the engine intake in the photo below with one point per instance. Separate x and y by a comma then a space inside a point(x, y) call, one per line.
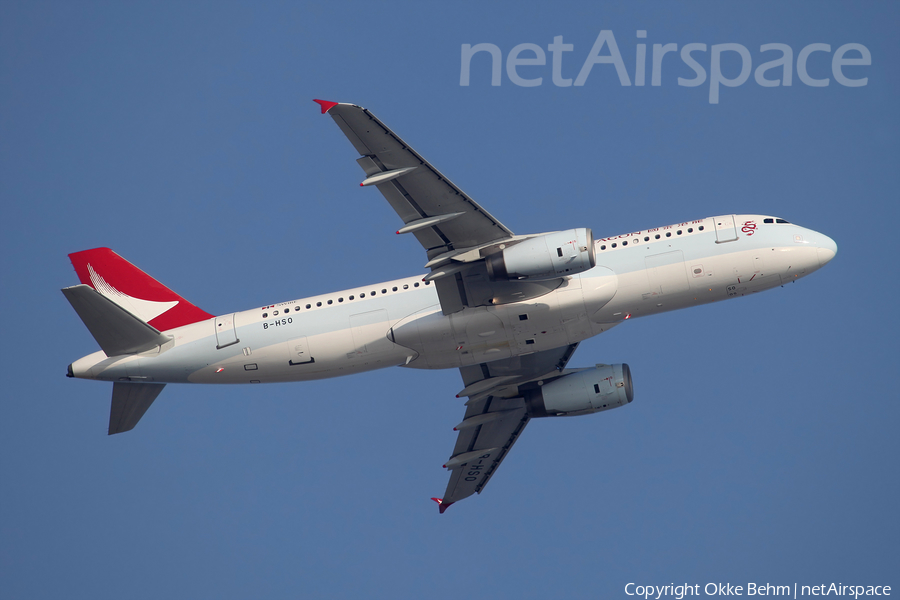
point(584, 392)
point(544, 257)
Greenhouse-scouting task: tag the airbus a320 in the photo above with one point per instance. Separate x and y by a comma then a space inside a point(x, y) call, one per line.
point(507, 310)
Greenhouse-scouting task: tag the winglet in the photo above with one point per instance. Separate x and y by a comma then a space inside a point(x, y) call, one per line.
point(326, 105)
point(442, 506)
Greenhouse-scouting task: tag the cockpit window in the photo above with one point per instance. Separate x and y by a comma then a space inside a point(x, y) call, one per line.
point(781, 221)
point(768, 220)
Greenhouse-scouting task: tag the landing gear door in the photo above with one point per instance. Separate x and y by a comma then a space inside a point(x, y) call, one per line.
point(725, 229)
point(225, 334)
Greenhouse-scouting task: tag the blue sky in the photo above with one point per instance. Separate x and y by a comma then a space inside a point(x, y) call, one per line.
point(761, 445)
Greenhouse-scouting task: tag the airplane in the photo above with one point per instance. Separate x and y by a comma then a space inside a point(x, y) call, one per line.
point(507, 310)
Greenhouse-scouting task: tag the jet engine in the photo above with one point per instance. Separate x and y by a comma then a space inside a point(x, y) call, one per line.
point(583, 392)
point(544, 257)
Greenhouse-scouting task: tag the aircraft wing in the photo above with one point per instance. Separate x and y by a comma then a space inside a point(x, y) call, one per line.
point(439, 214)
point(454, 230)
point(496, 414)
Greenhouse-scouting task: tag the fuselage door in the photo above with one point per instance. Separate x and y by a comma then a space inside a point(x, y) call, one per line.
point(298, 352)
point(225, 334)
point(725, 229)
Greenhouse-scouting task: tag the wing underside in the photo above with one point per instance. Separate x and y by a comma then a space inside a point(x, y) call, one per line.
point(440, 215)
point(496, 414)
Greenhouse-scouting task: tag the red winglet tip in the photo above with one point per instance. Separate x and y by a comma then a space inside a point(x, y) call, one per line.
point(442, 506)
point(326, 105)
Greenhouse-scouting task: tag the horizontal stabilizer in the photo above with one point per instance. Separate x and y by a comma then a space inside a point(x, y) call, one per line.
point(116, 330)
point(129, 403)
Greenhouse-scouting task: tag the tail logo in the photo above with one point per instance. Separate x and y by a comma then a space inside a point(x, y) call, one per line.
point(146, 310)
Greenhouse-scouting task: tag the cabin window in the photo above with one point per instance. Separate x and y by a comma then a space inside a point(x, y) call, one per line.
point(265, 315)
point(309, 306)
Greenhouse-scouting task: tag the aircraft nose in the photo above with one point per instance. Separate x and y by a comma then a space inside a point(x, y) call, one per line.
point(827, 248)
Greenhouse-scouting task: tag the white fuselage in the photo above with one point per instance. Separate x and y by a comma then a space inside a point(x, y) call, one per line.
point(400, 322)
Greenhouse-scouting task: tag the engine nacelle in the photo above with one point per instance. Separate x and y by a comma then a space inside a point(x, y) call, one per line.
point(588, 391)
point(544, 257)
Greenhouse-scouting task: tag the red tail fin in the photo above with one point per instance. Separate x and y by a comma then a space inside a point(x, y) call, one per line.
point(134, 290)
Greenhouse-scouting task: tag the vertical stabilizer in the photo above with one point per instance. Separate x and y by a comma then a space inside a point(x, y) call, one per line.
point(135, 291)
